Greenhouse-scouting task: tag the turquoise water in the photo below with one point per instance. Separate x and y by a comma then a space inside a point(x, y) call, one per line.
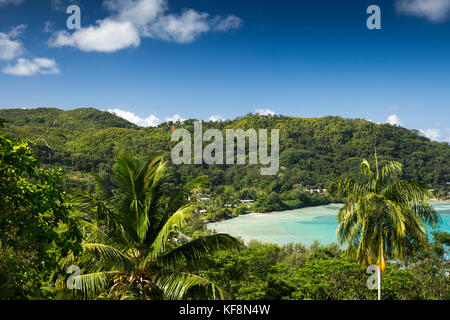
point(299, 226)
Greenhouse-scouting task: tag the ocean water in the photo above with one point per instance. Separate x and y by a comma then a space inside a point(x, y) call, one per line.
point(299, 226)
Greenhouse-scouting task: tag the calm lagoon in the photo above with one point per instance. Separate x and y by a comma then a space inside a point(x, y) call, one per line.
point(299, 226)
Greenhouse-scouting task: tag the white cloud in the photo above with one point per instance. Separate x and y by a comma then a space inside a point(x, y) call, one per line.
point(10, 47)
point(433, 10)
point(175, 118)
point(437, 134)
point(131, 20)
point(447, 135)
point(8, 2)
point(17, 30)
point(25, 67)
point(229, 23)
point(394, 120)
point(182, 28)
point(432, 134)
point(216, 118)
point(107, 36)
point(150, 121)
point(265, 112)
point(140, 12)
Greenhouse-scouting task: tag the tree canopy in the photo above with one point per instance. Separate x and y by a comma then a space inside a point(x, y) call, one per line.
point(37, 224)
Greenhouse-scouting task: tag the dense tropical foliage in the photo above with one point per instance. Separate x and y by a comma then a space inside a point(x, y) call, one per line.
point(37, 224)
point(383, 217)
point(135, 230)
point(313, 153)
point(136, 250)
point(269, 271)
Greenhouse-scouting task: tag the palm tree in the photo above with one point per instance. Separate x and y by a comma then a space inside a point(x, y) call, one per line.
point(135, 250)
point(383, 217)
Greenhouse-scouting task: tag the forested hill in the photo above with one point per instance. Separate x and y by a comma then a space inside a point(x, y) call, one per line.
point(313, 151)
point(73, 119)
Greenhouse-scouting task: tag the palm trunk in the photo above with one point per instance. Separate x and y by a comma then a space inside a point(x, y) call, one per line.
point(380, 270)
point(381, 263)
point(379, 282)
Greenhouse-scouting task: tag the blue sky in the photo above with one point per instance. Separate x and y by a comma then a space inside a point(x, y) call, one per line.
point(153, 60)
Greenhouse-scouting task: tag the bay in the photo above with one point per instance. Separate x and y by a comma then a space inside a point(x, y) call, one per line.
point(300, 225)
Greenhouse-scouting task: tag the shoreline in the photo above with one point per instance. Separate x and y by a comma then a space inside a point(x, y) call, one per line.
point(295, 226)
point(287, 211)
point(262, 214)
point(271, 212)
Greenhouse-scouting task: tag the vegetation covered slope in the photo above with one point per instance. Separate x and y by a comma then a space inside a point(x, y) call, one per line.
point(83, 118)
point(42, 231)
point(313, 151)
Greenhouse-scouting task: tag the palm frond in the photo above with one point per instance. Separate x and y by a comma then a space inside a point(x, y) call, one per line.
point(177, 198)
point(407, 191)
point(397, 218)
point(365, 169)
point(176, 220)
point(182, 285)
point(427, 213)
point(101, 257)
point(92, 284)
point(347, 188)
point(197, 249)
point(105, 191)
point(390, 169)
point(155, 171)
point(383, 217)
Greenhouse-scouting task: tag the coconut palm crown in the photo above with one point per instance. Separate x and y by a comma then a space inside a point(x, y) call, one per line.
point(383, 217)
point(135, 250)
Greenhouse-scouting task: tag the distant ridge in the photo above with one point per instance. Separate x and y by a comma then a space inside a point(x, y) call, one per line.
point(81, 118)
point(313, 151)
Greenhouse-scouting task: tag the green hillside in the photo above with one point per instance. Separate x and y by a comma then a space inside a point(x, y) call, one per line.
point(313, 152)
point(83, 118)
